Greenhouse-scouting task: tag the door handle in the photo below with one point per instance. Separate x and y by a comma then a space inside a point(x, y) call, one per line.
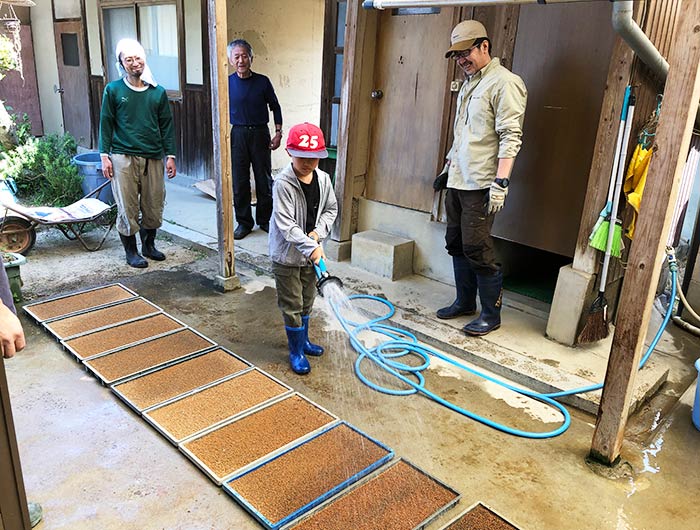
point(377, 94)
point(57, 89)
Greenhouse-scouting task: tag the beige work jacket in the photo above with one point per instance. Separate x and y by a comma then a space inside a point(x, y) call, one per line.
point(488, 126)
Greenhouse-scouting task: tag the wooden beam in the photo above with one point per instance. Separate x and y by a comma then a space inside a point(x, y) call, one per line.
point(681, 99)
point(501, 24)
point(355, 110)
point(221, 138)
point(13, 501)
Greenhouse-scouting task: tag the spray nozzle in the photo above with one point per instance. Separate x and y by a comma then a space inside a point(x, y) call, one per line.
point(324, 277)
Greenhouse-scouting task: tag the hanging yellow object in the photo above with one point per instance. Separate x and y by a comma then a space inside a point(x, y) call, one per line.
point(635, 180)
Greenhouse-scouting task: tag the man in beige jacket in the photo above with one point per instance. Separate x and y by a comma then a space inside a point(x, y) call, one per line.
point(487, 138)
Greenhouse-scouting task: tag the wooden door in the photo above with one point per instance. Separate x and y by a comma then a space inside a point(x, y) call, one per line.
point(73, 79)
point(20, 90)
point(553, 52)
point(407, 140)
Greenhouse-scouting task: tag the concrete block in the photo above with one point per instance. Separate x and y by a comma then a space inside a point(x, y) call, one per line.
point(382, 254)
point(337, 250)
point(569, 304)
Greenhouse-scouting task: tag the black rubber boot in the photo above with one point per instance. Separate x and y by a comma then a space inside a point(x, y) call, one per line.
point(490, 294)
point(148, 244)
point(133, 257)
point(465, 284)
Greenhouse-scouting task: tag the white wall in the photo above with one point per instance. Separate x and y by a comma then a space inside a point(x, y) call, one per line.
point(46, 66)
point(287, 40)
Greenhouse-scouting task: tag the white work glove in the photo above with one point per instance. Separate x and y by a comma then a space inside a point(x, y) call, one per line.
point(497, 198)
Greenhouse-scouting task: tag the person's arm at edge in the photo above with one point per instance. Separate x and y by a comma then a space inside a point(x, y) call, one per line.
point(11, 333)
point(105, 136)
point(167, 131)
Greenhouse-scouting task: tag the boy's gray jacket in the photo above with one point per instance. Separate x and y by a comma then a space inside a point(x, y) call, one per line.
point(289, 244)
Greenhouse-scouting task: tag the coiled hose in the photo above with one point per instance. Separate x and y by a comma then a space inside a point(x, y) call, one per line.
point(401, 343)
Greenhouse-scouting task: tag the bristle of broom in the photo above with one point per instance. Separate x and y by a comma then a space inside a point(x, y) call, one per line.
point(599, 236)
point(596, 326)
point(599, 239)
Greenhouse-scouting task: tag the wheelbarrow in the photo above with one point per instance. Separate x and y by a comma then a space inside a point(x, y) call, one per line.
point(18, 226)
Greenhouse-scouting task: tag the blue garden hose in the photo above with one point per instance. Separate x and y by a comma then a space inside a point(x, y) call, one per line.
point(401, 343)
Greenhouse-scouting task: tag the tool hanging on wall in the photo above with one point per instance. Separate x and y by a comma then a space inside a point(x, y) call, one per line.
point(639, 166)
point(599, 235)
point(596, 325)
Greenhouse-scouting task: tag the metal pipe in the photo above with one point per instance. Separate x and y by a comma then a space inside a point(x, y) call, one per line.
point(632, 34)
point(622, 21)
point(388, 4)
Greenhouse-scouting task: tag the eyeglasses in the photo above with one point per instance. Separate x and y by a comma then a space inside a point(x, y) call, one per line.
point(463, 54)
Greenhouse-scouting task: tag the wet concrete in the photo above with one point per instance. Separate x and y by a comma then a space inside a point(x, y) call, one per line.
point(94, 464)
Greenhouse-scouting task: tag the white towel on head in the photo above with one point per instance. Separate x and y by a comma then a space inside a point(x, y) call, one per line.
point(131, 47)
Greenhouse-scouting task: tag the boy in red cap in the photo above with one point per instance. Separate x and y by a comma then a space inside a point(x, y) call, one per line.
point(304, 209)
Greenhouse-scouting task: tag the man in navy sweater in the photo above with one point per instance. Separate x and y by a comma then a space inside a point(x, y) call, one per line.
point(251, 98)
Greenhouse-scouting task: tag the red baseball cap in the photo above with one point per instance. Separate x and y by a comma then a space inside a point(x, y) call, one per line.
point(306, 141)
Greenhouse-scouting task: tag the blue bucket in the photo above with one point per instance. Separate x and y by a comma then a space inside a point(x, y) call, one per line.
point(90, 167)
point(696, 406)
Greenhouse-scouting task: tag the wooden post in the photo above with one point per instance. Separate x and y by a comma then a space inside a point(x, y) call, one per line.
point(354, 119)
point(226, 279)
point(13, 502)
point(680, 106)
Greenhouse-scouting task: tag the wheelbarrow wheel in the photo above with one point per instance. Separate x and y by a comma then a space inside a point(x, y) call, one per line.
point(16, 235)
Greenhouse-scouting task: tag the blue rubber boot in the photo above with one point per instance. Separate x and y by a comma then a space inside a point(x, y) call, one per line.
point(465, 285)
point(297, 359)
point(309, 347)
point(491, 294)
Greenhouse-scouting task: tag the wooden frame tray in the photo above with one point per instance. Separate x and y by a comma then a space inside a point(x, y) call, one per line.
point(261, 440)
point(189, 367)
point(279, 479)
point(90, 298)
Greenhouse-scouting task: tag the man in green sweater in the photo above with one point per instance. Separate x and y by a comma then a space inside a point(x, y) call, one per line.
point(136, 133)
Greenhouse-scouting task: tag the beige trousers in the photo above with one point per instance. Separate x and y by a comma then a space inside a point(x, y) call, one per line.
point(138, 187)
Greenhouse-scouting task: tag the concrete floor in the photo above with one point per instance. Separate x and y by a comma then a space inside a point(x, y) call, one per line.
point(93, 464)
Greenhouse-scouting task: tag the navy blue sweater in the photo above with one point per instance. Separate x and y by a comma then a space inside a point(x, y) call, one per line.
point(250, 98)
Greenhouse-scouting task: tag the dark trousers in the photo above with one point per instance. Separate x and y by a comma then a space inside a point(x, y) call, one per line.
point(469, 230)
point(251, 146)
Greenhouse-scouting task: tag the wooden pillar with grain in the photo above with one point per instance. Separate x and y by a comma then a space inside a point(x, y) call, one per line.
point(221, 134)
point(355, 115)
point(681, 98)
point(13, 501)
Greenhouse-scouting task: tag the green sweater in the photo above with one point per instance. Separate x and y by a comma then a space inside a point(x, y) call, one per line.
point(136, 123)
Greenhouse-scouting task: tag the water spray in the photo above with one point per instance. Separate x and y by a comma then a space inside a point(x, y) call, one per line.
point(401, 343)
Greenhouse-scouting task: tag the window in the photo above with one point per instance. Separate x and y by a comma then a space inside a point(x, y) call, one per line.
point(71, 53)
point(155, 26)
point(403, 11)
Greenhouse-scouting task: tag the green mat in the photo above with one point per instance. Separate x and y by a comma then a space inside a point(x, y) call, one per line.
point(540, 288)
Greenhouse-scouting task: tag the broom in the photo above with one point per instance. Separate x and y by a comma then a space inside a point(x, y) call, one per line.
point(599, 238)
point(596, 326)
point(599, 235)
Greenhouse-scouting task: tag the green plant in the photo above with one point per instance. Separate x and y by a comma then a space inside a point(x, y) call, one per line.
point(23, 128)
point(8, 56)
point(43, 171)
